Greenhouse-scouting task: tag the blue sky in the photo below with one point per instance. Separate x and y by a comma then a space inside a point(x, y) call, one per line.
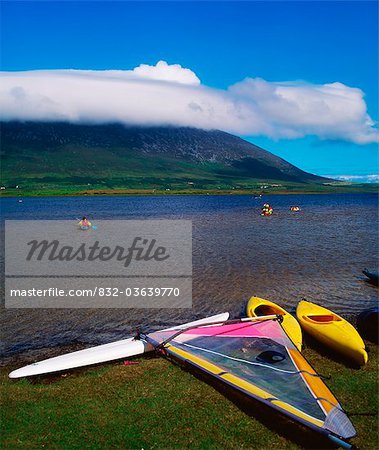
point(222, 43)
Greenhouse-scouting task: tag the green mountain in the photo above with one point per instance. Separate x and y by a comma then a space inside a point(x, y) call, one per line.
point(48, 156)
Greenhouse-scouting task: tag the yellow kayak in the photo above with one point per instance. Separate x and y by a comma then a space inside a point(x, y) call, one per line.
point(257, 307)
point(332, 330)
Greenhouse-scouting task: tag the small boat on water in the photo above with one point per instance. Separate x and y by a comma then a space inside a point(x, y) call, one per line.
point(257, 307)
point(267, 210)
point(372, 275)
point(332, 330)
point(368, 324)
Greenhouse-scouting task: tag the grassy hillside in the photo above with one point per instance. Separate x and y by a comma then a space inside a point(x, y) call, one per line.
point(66, 159)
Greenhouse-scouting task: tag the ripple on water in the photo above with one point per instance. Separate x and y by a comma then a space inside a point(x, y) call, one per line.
point(317, 254)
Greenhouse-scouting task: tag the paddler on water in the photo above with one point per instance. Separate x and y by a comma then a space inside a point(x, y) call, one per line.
point(266, 210)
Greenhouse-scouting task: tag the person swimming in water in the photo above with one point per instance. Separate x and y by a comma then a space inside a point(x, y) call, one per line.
point(85, 223)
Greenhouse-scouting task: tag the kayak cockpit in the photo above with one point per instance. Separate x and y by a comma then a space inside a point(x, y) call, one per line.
point(322, 318)
point(267, 310)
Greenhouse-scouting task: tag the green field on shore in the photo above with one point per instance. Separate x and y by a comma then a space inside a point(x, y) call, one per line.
point(40, 190)
point(157, 404)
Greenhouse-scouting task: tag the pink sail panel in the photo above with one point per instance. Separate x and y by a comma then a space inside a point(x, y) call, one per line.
point(245, 329)
point(265, 329)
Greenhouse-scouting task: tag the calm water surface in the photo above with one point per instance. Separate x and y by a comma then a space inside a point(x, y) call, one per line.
point(318, 254)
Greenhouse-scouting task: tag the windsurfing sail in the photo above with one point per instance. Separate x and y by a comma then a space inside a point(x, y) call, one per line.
point(257, 358)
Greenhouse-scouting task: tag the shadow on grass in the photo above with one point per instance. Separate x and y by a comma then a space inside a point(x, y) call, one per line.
point(328, 353)
point(94, 369)
point(268, 417)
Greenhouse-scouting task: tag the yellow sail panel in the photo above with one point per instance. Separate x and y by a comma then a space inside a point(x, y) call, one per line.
point(315, 383)
point(246, 386)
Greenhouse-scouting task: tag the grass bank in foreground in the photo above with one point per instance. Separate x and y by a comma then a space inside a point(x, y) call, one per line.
point(157, 404)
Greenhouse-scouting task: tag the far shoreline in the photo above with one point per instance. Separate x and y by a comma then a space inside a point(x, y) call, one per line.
point(307, 190)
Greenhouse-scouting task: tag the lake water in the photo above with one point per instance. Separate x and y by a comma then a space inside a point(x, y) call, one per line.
point(317, 254)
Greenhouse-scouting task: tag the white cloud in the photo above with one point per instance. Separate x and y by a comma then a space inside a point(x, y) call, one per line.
point(374, 178)
point(165, 72)
point(171, 94)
